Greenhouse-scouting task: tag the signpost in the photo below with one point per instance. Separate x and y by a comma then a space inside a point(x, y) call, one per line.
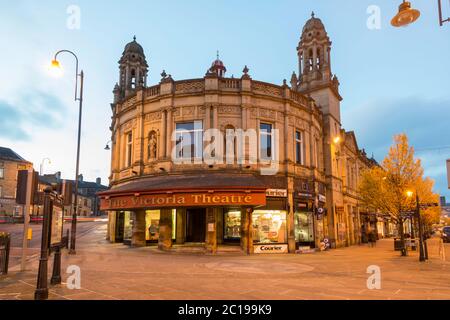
point(52, 231)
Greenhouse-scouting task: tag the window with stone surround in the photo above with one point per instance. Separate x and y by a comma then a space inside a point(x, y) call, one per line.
point(266, 141)
point(299, 148)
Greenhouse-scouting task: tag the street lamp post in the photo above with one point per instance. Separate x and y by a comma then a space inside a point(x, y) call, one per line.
point(441, 19)
point(79, 98)
point(419, 220)
point(422, 254)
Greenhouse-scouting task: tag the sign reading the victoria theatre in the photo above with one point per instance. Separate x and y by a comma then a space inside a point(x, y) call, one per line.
point(183, 200)
point(271, 248)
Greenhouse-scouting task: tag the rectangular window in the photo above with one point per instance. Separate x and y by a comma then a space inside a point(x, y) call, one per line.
point(129, 150)
point(269, 226)
point(2, 173)
point(1, 191)
point(189, 140)
point(299, 156)
point(266, 141)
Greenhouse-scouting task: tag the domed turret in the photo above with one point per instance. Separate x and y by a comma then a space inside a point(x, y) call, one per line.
point(133, 47)
point(218, 67)
point(314, 28)
point(133, 69)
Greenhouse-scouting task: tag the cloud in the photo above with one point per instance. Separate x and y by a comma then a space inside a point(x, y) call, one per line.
point(426, 122)
point(34, 110)
point(9, 123)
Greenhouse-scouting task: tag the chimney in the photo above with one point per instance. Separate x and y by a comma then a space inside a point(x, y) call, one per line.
point(58, 176)
point(80, 178)
point(98, 181)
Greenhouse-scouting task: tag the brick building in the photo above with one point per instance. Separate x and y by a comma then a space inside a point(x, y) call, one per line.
point(10, 164)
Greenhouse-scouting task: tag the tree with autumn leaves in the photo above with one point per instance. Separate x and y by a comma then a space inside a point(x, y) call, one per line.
point(388, 188)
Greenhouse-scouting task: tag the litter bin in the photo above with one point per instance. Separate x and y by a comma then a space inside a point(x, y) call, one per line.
point(5, 240)
point(398, 244)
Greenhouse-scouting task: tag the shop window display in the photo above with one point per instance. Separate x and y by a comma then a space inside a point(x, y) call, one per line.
point(152, 218)
point(304, 227)
point(232, 225)
point(128, 226)
point(269, 226)
point(152, 225)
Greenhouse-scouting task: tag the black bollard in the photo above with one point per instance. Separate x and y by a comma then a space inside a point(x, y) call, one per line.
point(56, 275)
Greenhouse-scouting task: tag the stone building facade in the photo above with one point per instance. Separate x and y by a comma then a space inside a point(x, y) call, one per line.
point(310, 196)
point(10, 164)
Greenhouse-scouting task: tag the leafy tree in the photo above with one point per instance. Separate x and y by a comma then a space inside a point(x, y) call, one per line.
point(385, 188)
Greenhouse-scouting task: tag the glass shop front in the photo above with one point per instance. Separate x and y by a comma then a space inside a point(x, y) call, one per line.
point(304, 225)
point(124, 226)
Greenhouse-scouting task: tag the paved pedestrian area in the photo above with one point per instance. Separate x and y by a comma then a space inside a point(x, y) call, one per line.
point(114, 271)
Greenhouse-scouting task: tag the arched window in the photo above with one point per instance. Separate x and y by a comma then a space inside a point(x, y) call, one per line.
point(319, 58)
point(133, 78)
point(152, 147)
point(310, 60)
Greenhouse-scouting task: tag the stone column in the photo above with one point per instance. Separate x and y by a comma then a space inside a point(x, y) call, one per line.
point(169, 134)
point(211, 231)
point(165, 230)
point(215, 124)
point(290, 217)
point(111, 235)
point(246, 230)
point(162, 142)
point(219, 224)
point(181, 226)
point(138, 236)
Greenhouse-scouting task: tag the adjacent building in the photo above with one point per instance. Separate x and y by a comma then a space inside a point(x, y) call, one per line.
point(88, 201)
point(287, 175)
point(10, 164)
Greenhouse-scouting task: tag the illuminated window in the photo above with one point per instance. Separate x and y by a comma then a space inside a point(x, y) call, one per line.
point(232, 225)
point(269, 226)
point(2, 173)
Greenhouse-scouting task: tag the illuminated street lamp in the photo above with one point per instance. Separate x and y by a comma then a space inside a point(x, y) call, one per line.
point(406, 15)
point(56, 68)
point(337, 140)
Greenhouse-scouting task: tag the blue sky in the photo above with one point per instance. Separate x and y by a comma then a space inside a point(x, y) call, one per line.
point(392, 80)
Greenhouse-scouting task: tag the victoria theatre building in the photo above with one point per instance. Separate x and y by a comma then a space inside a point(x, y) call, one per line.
point(294, 129)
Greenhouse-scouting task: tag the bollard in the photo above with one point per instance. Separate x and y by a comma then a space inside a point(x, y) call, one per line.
point(56, 274)
point(5, 242)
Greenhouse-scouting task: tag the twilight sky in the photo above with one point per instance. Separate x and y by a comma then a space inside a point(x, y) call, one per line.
point(392, 80)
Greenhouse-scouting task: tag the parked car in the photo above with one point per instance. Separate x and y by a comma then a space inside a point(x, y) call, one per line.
point(446, 234)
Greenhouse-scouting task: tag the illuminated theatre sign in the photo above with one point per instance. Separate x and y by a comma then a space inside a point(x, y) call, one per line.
point(174, 200)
